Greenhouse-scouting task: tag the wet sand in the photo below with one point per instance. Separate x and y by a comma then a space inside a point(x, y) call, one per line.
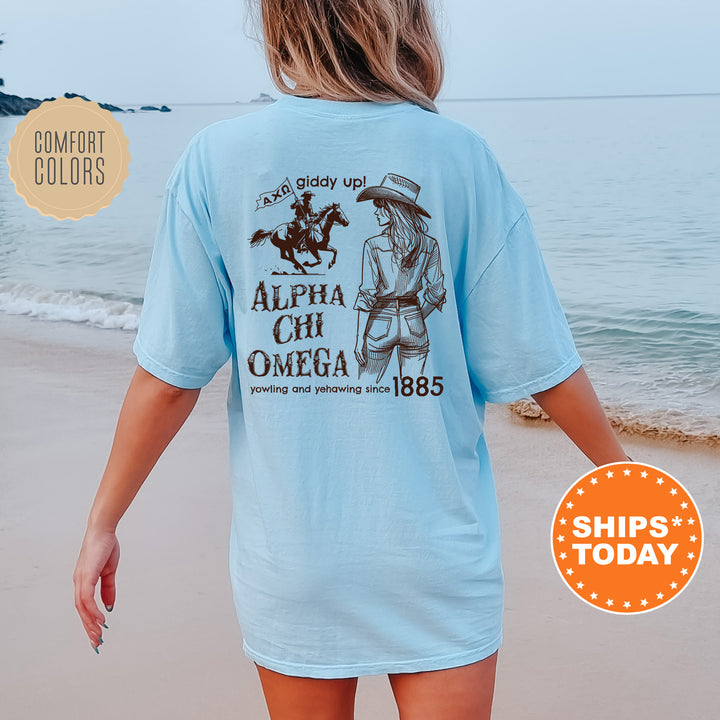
point(173, 647)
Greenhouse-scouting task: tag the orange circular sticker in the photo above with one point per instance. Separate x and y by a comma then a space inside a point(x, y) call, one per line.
point(68, 158)
point(627, 538)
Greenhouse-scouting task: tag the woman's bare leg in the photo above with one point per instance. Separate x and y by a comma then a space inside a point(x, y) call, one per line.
point(462, 693)
point(299, 698)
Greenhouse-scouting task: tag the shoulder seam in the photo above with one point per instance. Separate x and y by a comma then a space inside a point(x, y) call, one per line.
point(188, 216)
point(174, 194)
point(471, 133)
point(494, 257)
point(200, 239)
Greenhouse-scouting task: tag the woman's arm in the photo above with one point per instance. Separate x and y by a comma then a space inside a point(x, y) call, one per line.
point(362, 321)
point(575, 408)
point(151, 415)
point(433, 295)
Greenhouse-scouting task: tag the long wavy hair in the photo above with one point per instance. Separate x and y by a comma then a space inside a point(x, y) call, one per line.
point(376, 50)
point(405, 230)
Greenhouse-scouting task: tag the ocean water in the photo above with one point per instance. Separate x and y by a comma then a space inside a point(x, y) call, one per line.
point(624, 194)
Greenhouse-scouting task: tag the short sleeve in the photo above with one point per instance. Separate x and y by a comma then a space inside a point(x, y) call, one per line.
point(517, 339)
point(184, 336)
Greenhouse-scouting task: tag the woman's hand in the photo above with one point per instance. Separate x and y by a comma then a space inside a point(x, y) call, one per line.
point(359, 355)
point(98, 560)
point(362, 322)
point(153, 411)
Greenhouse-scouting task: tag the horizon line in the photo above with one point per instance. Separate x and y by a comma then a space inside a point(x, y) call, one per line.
point(615, 96)
point(509, 98)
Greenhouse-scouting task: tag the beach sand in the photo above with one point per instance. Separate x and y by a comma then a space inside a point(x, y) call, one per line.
point(173, 647)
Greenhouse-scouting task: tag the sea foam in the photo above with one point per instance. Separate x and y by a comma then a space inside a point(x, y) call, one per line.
point(659, 425)
point(70, 305)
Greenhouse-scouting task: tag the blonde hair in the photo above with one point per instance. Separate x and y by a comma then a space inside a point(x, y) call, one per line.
point(377, 50)
point(405, 230)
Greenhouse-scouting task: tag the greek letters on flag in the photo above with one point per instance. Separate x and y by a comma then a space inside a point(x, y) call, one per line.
point(285, 189)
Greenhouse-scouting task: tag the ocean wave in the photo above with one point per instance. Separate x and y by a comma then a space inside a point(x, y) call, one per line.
point(658, 369)
point(104, 311)
point(659, 424)
point(649, 334)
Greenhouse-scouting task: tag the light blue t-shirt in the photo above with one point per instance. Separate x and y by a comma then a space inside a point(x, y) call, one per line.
point(374, 279)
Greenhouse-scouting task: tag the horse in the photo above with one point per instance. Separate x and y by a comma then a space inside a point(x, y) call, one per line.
point(288, 242)
point(333, 214)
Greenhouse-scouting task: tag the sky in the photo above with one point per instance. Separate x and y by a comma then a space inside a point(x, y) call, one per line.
point(152, 51)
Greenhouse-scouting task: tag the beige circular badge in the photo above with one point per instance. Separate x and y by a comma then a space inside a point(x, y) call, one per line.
point(68, 158)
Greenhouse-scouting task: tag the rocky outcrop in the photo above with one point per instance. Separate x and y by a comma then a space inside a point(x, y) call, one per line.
point(16, 105)
point(104, 106)
point(263, 98)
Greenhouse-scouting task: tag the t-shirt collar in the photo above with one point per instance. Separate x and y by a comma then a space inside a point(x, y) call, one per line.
point(341, 108)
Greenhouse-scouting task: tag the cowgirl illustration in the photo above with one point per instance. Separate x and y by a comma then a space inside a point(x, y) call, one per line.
point(402, 281)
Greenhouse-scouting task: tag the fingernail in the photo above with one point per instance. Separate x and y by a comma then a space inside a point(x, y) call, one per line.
point(96, 650)
point(109, 607)
point(101, 641)
point(105, 626)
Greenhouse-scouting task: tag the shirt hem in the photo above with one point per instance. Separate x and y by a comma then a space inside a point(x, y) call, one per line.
point(328, 672)
point(538, 385)
point(166, 374)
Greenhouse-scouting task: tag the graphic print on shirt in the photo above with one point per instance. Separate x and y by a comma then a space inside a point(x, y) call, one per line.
point(313, 341)
point(307, 232)
point(401, 282)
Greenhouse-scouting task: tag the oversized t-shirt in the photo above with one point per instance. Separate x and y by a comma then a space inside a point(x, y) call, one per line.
point(374, 280)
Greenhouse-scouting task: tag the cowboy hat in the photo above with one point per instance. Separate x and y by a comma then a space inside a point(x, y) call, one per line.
point(394, 187)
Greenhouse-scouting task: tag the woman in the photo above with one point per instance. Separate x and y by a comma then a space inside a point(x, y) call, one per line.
point(398, 265)
point(365, 537)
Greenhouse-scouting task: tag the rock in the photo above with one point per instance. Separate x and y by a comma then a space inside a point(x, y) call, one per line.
point(104, 106)
point(529, 410)
point(263, 98)
point(164, 108)
point(15, 105)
